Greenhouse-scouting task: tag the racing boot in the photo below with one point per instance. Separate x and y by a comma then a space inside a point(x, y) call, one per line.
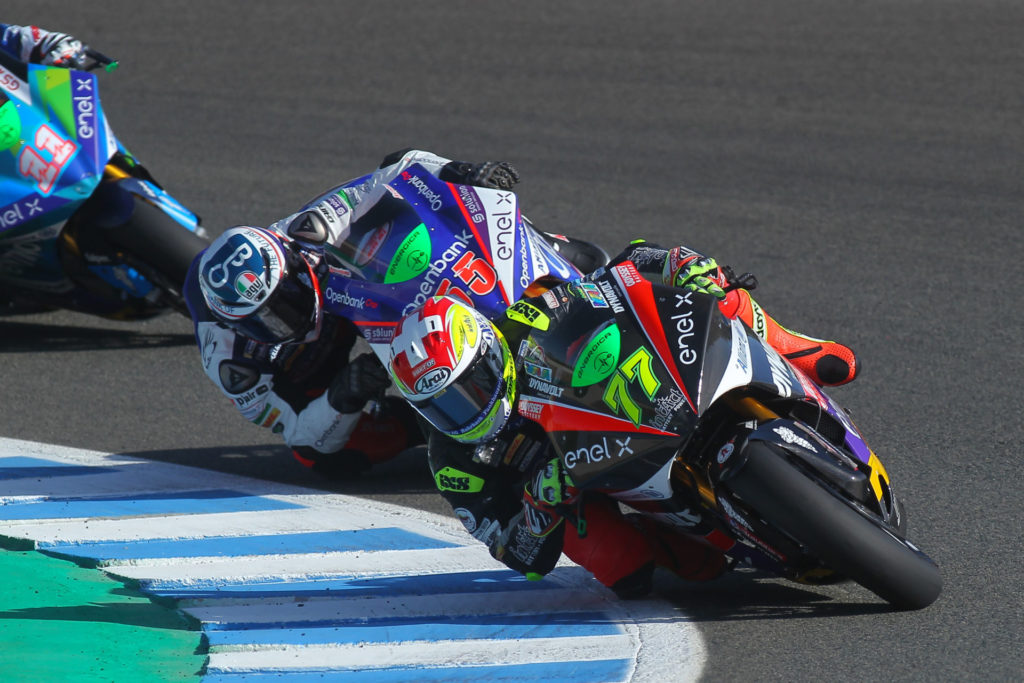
point(827, 363)
point(380, 435)
point(384, 433)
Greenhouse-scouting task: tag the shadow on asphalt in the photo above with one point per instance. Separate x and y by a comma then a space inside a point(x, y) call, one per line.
point(406, 474)
point(748, 595)
point(21, 337)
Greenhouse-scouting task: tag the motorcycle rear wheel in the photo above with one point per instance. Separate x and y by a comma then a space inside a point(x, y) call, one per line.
point(843, 537)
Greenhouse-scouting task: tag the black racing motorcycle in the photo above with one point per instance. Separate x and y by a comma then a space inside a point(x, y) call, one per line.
point(652, 396)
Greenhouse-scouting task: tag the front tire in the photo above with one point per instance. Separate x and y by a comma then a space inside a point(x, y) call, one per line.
point(160, 248)
point(841, 536)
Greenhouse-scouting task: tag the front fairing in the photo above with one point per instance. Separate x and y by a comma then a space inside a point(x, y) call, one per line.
point(615, 391)
point(427, 237)
point(63, 141)
point(626, 369)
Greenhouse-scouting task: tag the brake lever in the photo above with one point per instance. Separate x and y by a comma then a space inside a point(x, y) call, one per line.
point(746, 281)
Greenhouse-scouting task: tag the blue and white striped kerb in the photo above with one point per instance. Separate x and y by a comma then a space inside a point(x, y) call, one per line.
point(298, 585)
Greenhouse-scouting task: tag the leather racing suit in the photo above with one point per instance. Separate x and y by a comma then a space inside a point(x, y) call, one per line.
point(284, 387)
point(485, 484)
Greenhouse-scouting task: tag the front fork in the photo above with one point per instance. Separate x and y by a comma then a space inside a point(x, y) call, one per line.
point(730, 525)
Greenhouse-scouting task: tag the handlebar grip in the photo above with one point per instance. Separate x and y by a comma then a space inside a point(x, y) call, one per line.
point(100, 59)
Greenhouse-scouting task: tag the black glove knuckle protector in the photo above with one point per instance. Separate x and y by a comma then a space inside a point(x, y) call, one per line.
point(362, 379)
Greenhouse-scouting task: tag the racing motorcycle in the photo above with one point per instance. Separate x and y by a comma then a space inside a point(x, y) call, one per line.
point(428, 237)
point(648, 393)
point(651, 395)
point(83, 226)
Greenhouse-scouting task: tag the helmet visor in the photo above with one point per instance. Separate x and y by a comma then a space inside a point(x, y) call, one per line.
point(471, 399)
point(289, 312)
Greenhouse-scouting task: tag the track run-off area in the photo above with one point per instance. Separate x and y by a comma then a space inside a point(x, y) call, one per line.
point(275, 580)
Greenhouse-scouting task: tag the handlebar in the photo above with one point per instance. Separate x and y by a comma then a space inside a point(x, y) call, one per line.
point(98, 59)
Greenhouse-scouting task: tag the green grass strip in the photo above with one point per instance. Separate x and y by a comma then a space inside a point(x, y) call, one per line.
point(61, 622)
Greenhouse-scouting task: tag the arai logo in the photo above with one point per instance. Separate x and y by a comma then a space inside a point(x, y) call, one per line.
point(433, 380)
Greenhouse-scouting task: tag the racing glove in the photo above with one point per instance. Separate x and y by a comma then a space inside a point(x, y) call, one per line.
point(694, 272)
point(497, 175)
point(547, 497)
point(60, 49)
point(362, 379)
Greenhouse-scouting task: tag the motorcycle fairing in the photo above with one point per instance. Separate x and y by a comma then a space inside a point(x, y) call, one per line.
point(427, 237)
point(29, 260)
point(816, 453)
point(150, 192)
point(64, 143)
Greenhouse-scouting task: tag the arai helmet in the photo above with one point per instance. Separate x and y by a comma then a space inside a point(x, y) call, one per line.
point(454, 367)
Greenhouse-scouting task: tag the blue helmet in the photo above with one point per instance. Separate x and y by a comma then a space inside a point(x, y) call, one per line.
point(263, 285)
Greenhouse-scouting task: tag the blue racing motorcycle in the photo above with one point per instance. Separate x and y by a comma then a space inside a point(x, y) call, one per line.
point(83, 226)
point(428, 237)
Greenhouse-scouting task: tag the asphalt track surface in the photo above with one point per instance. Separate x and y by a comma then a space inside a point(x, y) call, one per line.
point(863, 159)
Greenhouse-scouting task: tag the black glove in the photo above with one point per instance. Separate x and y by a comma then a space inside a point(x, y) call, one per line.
point(394, 157)
point(359, 381)
point(497, 175)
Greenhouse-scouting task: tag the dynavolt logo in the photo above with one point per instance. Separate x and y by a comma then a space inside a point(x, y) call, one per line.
point(611, 296)
point(545, 387)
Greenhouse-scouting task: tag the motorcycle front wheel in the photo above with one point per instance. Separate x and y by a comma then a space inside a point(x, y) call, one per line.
point(843, 537)
point(159, 248)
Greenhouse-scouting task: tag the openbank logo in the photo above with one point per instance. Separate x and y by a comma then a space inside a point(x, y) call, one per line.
point(343, 299)
point(434, 198)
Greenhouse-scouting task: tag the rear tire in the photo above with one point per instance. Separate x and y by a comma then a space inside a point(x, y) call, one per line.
point(841, 536)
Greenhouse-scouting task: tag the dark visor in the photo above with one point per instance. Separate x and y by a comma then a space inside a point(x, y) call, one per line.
point(464, 404)
point(288, 313)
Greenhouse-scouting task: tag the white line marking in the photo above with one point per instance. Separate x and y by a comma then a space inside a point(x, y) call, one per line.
point(665, 647)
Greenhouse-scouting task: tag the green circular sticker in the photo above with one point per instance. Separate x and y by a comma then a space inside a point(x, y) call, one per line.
point(599, 357)
point(10, 125)
point(411, 258)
